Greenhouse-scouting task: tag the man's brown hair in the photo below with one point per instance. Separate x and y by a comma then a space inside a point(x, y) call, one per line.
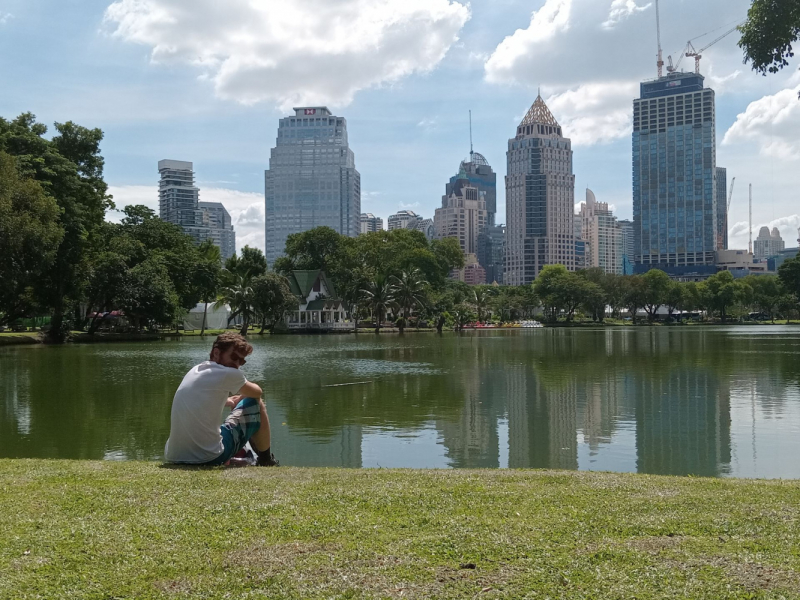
point(232, 340)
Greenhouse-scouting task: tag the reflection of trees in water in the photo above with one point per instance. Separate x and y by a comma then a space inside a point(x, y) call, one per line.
point(77, 411)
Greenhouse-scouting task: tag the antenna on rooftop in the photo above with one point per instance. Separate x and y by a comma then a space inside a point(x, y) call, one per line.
point(470, 136)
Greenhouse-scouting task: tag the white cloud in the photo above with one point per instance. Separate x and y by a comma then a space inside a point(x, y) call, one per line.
point(594, 113)
point(293, 53)
point(621, 10)
point(788, 226)
point(545, 24)
point(246, 208)
point(5, 18)
point(411, 206)
point(773, 123)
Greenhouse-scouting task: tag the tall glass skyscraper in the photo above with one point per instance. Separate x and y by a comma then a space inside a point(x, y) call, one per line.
point(722, 208)
point(312, 179)
point(674, 175)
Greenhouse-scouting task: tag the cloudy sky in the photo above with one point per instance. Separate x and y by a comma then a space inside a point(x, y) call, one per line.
point(207, 81)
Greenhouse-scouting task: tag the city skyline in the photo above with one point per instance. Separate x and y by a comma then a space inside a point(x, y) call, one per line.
point(152, 105)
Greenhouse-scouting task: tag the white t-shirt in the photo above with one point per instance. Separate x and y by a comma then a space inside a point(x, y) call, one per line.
point(197, 412)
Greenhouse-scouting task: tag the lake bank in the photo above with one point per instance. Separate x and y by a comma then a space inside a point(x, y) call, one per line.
point(75, 529)
point(78, 337)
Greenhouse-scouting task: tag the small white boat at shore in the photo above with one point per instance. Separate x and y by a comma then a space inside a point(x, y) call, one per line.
point(530, 324)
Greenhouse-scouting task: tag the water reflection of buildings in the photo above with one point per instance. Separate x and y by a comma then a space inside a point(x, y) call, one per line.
point(683, 423)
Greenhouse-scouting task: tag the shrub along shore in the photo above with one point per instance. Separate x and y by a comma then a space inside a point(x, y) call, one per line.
point(142, 530)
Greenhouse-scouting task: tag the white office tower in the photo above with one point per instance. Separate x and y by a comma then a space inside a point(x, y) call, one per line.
point(603, 237)
point(312, 179)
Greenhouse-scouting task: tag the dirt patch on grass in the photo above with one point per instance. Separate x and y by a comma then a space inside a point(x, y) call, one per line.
point(752, 576)
point(173, 588)
point(314, 569)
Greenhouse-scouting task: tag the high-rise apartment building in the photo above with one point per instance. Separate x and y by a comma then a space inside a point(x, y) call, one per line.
point(477, 171)
point(540, 197)
point(602, 235)
point(179, 203)
point(178, 198)
point(768, 243)
point(462, 216)
point(427, 227)
point(221, 228)
point(674, 175)
point(722, 208)
point(312, 179)
point(404, 219)
point(370, 223)
point(628, 246)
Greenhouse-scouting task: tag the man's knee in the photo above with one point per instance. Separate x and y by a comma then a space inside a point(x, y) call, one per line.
point(247, 403)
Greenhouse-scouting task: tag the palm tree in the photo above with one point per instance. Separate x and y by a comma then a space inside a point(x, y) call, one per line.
point(379, 295)
point(409, 291)
point(237, 292)
point(480, 300)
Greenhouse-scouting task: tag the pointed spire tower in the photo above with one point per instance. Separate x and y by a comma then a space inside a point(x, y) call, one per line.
point(540, 197)
point(539, 119)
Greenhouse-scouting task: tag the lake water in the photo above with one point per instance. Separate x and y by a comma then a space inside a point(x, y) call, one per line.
point(680, 400)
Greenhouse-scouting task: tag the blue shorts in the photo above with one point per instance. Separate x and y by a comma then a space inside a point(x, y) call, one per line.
point(237, 429)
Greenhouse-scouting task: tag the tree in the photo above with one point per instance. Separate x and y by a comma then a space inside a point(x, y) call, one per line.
point(272, 297)
point(237, 292)
point(409, 291)
point(481, 297)
point(547, 289)
point(207, 276)
point(317, 248)
point(720, 292)
point(635, 294)
point(593, 300)
point(250, 262)
point(70, 170)
point(656, 284)
point(674, 297)
point(768, 33)
point(379, 296)
point(29, 237)
point(789, 276)
point(148, 297)
point(462, 316)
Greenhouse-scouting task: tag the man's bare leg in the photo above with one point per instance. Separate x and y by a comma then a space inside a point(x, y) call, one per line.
point(262, 439)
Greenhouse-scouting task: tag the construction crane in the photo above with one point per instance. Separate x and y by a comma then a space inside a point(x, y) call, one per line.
point(660, 60)
point(721, 238)
point(698, 54)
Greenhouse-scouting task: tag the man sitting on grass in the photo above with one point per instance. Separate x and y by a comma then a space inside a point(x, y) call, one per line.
point(196, 436)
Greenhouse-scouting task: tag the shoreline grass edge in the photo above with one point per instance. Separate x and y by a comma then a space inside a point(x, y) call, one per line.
point(89, 529)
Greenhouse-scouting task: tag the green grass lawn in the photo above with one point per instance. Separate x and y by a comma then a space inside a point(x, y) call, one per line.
point(139, 530)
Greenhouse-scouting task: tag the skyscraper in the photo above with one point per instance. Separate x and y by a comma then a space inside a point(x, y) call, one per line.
point(674, 175)
point(492, 252)
point(462, 216)
point(178, 198)
point(540, 197)
point(722, 208)
point(477, 171)
point(179, 203)
point(628, 246)
point(221, 229)
point(312, 179)
point(768, 243)
point(602, 235)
